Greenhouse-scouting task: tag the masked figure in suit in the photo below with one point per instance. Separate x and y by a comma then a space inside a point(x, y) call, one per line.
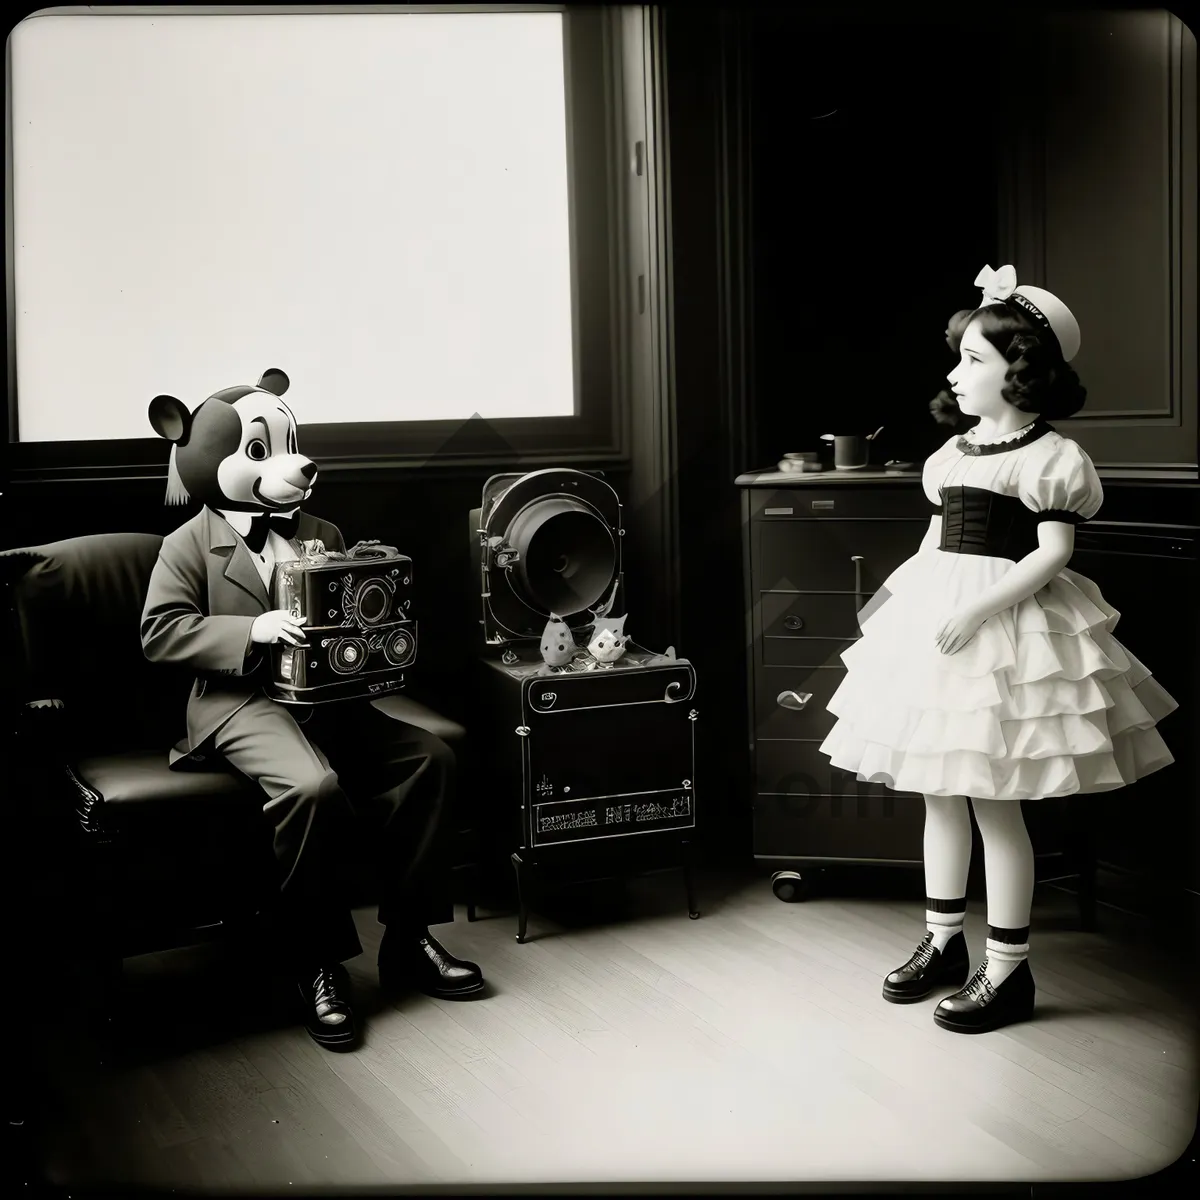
point(324, 771)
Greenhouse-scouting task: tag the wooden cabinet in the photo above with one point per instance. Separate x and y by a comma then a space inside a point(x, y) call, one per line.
point(816, 551)
point(1148, 836)
point(816, 548)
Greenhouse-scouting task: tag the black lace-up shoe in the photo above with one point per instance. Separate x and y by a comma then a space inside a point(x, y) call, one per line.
point(328, 1013)
point(979, 1007)
point(929, 969)
point(421, 962)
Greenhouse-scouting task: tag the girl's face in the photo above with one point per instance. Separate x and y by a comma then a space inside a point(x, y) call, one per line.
point(979, 377)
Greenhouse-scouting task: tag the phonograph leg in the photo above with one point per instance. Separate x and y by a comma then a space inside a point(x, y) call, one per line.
point(522, 907)
point(689, 879)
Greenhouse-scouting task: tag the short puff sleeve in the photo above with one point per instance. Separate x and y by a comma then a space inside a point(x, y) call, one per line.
point(934, 471)
point(1061, 485)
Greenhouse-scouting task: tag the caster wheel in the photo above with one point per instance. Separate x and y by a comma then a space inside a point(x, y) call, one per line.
point(789, 886)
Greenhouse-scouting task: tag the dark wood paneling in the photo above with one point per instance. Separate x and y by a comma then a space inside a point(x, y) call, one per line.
point(706, 110)
point(874, 208)
point(1100, 207)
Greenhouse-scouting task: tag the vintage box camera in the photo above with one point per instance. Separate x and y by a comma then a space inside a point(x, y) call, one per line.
point(360, 636)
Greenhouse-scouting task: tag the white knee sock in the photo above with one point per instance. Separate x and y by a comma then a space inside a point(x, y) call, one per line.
point(947, 861)
point(1009, 864)
point(944, 918)
point(1007, 949)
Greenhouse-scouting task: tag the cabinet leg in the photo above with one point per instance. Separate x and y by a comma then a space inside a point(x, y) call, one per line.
point(689, 879)
point(473, 886)
point(522, 907)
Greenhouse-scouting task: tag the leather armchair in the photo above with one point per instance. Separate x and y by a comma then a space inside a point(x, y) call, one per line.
point(152, 858)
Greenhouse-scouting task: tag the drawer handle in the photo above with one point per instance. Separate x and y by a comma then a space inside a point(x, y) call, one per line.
point(796, 701)
point(793, 623)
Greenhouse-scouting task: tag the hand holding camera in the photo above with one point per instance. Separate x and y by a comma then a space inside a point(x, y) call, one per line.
point(279, 625)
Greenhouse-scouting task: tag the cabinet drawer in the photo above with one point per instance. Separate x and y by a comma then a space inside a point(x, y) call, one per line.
point(805, 629)
point(885, 828)
point(799, 769)
point(840, 500)
point(773, 720)
point(831, 555)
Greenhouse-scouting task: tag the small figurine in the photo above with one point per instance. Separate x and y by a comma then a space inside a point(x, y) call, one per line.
point(558, 643)
point(608, 639)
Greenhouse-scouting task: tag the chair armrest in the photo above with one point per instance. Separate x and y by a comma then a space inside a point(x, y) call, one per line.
point(41, 747)
point(41, 731)
point(402, 707)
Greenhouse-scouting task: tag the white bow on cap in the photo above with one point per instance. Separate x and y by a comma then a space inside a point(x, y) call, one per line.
point(997, 285)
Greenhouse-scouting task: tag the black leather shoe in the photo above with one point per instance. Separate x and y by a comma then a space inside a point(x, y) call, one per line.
point(929, 969)
point(980, 1007)
point(328, 1014)
point(422, 962)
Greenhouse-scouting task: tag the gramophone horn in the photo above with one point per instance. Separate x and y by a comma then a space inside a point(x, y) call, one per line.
point(567, 555)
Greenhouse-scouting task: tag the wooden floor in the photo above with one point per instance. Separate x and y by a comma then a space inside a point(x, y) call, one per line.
point(628, 1043)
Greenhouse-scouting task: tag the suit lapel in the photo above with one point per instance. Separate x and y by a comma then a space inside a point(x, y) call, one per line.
point(238, 566)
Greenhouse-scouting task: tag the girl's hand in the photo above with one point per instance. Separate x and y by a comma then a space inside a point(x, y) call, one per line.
point(957, 630)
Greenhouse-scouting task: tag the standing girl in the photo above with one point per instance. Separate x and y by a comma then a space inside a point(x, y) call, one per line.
point(987, 669)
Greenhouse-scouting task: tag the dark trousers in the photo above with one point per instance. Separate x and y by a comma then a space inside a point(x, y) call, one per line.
point(337, 777)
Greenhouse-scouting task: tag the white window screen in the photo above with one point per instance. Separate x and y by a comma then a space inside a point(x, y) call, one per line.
point(376, 204)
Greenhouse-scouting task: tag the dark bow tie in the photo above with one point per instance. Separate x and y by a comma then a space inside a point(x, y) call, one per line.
point(263, 523)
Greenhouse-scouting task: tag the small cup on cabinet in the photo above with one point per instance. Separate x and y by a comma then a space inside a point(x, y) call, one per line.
point(849, 451)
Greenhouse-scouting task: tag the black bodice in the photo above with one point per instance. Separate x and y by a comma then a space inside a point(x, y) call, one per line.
point(978, 521)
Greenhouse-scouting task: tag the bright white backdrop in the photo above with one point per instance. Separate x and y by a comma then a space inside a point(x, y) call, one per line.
point(376, 204)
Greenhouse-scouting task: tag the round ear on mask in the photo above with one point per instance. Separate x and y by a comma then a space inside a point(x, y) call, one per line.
point(274, 381)
point(170, 419)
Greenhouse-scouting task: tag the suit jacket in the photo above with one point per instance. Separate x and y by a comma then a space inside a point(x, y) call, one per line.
point(203, 598)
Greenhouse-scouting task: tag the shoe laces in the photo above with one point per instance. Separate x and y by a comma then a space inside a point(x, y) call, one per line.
point(325, 987)
point(326, 1001)
point(433, 951)
point(979, 986)
point(923, 954)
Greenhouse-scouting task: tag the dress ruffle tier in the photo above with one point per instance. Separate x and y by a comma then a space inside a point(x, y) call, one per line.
point(1043, 701)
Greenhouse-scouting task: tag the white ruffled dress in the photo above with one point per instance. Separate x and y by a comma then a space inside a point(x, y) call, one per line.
point(1043, 701)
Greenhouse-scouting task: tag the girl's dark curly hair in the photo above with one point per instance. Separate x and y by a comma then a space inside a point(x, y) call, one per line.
point(1038, 380)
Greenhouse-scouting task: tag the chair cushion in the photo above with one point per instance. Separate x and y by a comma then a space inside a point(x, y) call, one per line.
point(138, 790)
point(182, 849)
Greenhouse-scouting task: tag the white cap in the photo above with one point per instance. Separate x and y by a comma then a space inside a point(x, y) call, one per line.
point(1046, 309)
